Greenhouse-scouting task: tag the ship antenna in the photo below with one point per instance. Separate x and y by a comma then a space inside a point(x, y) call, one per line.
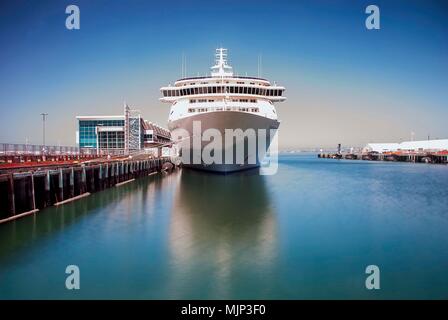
point(221, 68)
point(182, 71)
point(185, 66)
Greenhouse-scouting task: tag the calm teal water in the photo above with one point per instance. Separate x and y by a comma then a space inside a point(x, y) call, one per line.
point(307, 232)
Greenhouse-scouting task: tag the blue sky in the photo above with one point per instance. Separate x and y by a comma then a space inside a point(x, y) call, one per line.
point(345, 84)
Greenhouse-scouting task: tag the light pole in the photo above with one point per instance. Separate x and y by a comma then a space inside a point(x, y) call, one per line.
point(44, 117)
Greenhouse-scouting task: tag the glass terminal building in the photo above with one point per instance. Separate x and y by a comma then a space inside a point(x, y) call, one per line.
point(119, 134)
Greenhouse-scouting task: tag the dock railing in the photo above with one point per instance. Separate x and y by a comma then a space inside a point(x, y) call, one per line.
point(11, 149)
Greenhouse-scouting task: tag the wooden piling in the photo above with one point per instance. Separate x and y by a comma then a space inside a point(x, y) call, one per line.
point(47, 197)
point(72, 183)
point(11, 200)
point(33, 195)
point(60, 186)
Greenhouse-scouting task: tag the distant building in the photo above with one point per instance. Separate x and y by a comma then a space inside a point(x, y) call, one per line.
point(120, 134)
point(410, 146)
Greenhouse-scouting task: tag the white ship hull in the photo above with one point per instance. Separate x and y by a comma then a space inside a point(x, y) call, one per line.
point(222, 120)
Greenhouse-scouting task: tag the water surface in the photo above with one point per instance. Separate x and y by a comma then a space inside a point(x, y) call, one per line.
point(307, 232)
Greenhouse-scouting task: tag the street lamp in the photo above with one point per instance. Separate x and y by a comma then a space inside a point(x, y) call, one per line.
point(44, 117)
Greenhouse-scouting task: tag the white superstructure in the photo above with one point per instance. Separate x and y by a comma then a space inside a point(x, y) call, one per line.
point(223, 101)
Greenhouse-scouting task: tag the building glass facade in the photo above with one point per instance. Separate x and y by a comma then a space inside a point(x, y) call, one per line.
point(111, 139)
point(88, 133)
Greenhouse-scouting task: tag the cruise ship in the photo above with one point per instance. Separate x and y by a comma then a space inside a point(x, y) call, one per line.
point(220, 102)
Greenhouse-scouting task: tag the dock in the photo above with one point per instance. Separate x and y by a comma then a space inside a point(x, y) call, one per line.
point(438, 157)
point(26, 189)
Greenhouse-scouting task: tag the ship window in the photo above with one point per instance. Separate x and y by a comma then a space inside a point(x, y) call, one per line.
point(280, 92)
point(192, 100)
point(214, 89)
point(231, 89)
point(245, 90)
point(195, 90)
point(239, 82)
point(211, 100)
point(252, 83)
point(253, 100)
point(190, 110)
point(202, 100)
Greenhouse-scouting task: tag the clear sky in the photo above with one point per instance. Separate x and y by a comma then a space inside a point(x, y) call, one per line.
point(344, 83)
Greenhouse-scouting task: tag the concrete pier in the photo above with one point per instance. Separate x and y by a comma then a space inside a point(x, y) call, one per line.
point(23, 193)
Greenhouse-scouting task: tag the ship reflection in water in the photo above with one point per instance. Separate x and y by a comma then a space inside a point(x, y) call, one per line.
point(222, 227)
